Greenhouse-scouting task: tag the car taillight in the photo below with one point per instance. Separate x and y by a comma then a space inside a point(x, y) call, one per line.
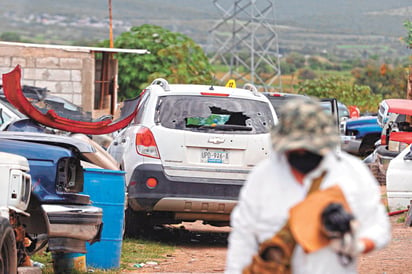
point(383, 140)
point(146, 144)
point(70, 176)
point(396, 146)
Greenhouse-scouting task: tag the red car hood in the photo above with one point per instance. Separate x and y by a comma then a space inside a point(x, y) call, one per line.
point(14, 94)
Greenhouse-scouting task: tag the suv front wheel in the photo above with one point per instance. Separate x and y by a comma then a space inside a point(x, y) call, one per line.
point(8, 251)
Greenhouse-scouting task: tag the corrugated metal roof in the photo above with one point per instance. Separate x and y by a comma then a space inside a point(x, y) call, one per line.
point(76, 48)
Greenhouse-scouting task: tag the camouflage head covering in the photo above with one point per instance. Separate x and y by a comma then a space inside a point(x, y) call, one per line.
point(303, 124)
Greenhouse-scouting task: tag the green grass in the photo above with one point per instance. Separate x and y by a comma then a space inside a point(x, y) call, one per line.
point(134, 252)
point(401, 219)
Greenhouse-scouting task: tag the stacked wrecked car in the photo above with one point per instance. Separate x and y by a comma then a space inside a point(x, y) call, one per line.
point(42, 200)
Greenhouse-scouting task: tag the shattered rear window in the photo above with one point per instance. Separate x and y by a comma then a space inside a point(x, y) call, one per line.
point(214, 114)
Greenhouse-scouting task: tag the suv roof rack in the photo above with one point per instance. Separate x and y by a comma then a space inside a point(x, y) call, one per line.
point(251, 88)
point(161, 82)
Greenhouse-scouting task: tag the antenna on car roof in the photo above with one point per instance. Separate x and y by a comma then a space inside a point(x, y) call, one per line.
point(213, 82)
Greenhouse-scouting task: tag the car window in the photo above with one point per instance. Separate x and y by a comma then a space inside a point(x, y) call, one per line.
point(141, 107)
point(4, 117)
point(214, 114)
point(343, 111)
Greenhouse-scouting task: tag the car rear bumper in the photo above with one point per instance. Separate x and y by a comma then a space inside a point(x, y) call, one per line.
point(182, 195)
point(80, 222)
point(350, 144)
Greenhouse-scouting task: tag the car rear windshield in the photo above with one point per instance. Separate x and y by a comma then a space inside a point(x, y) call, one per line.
point(214, 114)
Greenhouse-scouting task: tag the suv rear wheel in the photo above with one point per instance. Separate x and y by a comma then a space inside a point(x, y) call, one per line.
point(136, 222)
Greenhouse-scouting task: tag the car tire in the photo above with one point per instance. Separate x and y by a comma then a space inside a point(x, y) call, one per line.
point(8, 251)
point(136, 223)
point(368, 145)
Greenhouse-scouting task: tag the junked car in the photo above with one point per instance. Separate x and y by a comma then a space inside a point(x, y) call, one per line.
point(43, 100)
point(14, 200)
point(396, 130)
point(398, 183)
point(58, 214)
point(359, 135)
point(54, 118)
point(188, 151)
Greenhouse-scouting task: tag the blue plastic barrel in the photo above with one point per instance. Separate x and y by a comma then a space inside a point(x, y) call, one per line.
point(107, 190)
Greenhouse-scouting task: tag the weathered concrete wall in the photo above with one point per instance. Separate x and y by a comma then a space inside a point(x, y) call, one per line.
point(66, 73)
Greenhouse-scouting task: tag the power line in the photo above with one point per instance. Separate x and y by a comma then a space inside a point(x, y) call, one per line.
point(246, 42)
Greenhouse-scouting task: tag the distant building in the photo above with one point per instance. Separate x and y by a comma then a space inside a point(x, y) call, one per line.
point(86, 76)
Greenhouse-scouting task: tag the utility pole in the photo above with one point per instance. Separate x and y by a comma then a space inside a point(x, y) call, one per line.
point(409, 84)
point(245, 41)
point(110, 24)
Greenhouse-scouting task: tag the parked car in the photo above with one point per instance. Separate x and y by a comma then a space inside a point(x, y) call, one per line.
point(53, 117)
point(398, 183)
point(14, 200)
point(343, 111)
point(278, 99)
point(43, 101)
point(188, 151)
point(396, 131)
point(89, 152)
point(59, 214)
point(359, 135)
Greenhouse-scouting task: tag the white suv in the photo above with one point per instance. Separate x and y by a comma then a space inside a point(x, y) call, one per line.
point(189, 150)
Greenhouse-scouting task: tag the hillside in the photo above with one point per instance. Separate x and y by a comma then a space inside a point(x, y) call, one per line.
point(309, 26)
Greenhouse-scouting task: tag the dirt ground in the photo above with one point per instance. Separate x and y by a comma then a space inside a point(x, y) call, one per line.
point(202, 249)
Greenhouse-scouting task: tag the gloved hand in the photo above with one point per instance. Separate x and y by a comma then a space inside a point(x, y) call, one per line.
point(341, 228)
point(349, 245)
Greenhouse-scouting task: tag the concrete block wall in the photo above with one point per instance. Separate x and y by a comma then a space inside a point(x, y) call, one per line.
point(66, 73)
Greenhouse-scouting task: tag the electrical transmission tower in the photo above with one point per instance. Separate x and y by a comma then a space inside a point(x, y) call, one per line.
point(245, 41)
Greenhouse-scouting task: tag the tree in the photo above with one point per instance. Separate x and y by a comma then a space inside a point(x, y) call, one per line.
point(343, 90)
point(408, 38)
point(10, 36)
point(306, 74)
point(173, 56)
point(383, 79)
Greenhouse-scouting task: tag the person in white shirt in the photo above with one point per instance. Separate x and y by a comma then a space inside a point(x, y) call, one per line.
point(306, 145)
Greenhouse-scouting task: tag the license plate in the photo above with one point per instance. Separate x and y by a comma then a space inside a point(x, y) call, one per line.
point(214, 156)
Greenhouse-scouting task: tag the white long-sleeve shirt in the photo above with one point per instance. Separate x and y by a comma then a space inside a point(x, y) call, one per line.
point(271, 190)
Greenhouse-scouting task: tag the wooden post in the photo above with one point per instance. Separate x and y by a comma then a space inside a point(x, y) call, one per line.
point(409, 84)
point(409, 92)
point(110, 24)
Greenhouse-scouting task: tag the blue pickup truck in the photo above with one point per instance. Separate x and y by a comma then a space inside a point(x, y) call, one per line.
point(359, 135)
point(59, 215)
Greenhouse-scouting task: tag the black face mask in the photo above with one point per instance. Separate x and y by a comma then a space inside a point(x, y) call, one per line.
point(304, 161)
